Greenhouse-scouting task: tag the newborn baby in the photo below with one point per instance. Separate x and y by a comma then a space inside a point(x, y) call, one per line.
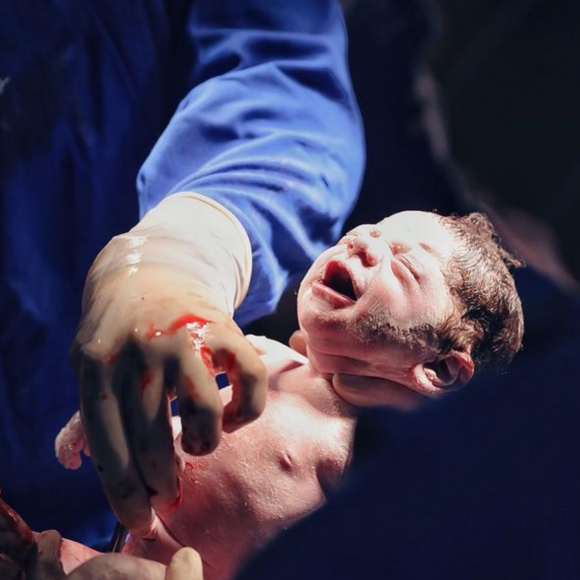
point(395, 312)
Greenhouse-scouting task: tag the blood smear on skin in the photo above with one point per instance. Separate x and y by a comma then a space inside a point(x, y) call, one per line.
point(207, 358)
point(178, 500)
point(231, 362)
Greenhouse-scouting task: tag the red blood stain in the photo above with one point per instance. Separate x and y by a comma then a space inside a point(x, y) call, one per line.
point(178, 500)
point(175, 325)
point(146, 379)
point(186, 319)
point(152, 332)
point(188, 466)
point(112, 358)
point(231, 362)
point(207, 358)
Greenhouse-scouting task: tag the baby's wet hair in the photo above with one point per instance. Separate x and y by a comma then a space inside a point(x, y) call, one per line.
point(490, 325)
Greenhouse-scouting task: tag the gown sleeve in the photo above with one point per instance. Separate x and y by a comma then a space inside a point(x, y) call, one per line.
point(270, 129)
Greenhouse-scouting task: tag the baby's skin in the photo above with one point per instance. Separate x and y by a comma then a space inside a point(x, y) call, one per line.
point(278, 469)
point(261, 478)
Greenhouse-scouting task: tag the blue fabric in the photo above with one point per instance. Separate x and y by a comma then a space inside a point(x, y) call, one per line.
point(271, 130)
point(267, 125)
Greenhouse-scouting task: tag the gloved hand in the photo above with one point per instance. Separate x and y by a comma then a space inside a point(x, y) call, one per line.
point(156, 323)
point(24, 555)
point(185, 565)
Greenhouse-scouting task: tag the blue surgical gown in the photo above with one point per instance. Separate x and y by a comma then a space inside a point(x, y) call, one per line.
point(248, 102)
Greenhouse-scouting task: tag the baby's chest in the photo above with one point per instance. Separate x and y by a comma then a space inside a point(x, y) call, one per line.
point(293, 457)
point(280, 466)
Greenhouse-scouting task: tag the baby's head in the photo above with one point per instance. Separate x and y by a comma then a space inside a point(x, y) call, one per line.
point(417, 299)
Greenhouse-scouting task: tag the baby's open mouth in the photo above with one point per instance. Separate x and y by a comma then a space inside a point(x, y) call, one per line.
point(338, 278)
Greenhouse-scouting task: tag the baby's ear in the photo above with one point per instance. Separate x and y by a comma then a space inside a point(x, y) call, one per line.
point(448, 371)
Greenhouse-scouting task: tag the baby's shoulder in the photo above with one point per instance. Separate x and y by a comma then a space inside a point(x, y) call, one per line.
point(276, 356)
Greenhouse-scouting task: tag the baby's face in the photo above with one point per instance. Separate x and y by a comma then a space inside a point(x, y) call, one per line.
point(387, 276)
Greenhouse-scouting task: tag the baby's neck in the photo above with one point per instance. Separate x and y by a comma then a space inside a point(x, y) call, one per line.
point(359, 391)
point(315, 387)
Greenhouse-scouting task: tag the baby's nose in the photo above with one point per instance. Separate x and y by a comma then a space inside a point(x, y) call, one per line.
point(365, 247)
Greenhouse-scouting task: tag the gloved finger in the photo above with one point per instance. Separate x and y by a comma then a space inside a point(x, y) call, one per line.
point(16, 540)
point(10, 569)
point(148, 425)
point(200, 405)
point(247, 374)
point(118, 567)
point(101, 398)
point(47, 565)
point(185, 565)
